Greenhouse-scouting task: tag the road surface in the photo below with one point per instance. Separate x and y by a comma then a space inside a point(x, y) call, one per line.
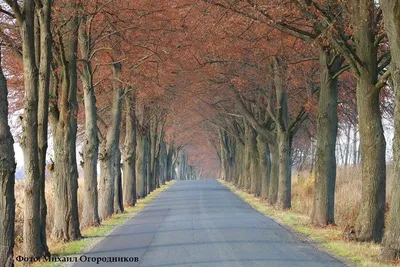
point(202, 223)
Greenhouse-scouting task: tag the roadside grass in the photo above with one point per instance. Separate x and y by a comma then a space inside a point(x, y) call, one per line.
point(93, 235)
point(330, 238)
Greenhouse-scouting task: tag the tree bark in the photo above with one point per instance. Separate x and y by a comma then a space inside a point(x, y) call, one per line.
point(44, 53)
point(153, 136)
point(141, 168)
point(108, 151)
point(32, 246)
point(7, 176)
point(284, 188)
point(370, 221)
point(170, 167)
point(254, 165)
point(118, 198)
point(163, 162)
point(265, 166)
point(327, 127)
point(274, 183)
point(283, 135)
point(391, 241)
point(147, 163)
point(90, 216)
point(64, 126)
point(247, 159)
point(129, 163)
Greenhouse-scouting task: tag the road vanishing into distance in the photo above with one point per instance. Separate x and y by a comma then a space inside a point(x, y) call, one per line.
point(202, 223)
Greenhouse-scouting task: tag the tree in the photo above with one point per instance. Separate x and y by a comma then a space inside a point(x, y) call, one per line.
point(7, 171)
point(129, 164)
point(43, 51)
point(91, 147)
point(108, 148)
point(366, 69)
point(391, 241)
point(63, 121)
point(25, 17)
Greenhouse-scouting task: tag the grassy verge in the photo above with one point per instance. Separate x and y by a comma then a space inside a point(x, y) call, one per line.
point(93, 235)
point(329, 238)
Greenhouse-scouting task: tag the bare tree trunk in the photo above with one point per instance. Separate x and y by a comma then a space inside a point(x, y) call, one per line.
point(274, 183)
point(147, 164)
point(163, 162)
point(284, 188)
point(66, 220)
point(118, 198)
point(370, 221)
point(7, 176)
point(141, 168)
point(170, 153)
point(108, 151)
point(327, 127)
point(129, 163)
point(247, 160)
point(32, 246)
point(153, 136)
point(254, 165)
point(90, 216)
point(283, 135)
point(44, 53)
point(391, 241)
point(238, 163)
point(264, 165)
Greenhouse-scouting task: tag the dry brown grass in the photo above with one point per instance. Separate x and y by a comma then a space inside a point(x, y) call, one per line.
point(347, 197)
point(19, 201)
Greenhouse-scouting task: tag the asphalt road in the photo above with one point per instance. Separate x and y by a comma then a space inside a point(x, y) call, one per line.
point(202, 223)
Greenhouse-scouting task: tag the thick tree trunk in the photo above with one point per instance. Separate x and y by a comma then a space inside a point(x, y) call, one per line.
point(153, 137)
point(118, 198)
point(265, 166)
point(370, 221)
point(163, 163)
point(254, 164)
point(106, 182)
point(239, 165)
point(285, 162)
point(141, 168)
point(66, 221)
point(90, 216)
point(391, 241)
point(182, 167)
point(170, 167)
point(32, 246)
point(44, 53)
point(327, 127)
point(274, 183)
point(147, 155)
point(283, 135)
point(227, 156)
point(108, 151)
point(129, 163)
point(247, 158)
point(7, 175)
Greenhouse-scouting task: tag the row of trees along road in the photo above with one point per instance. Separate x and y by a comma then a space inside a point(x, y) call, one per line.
point(152, 91)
